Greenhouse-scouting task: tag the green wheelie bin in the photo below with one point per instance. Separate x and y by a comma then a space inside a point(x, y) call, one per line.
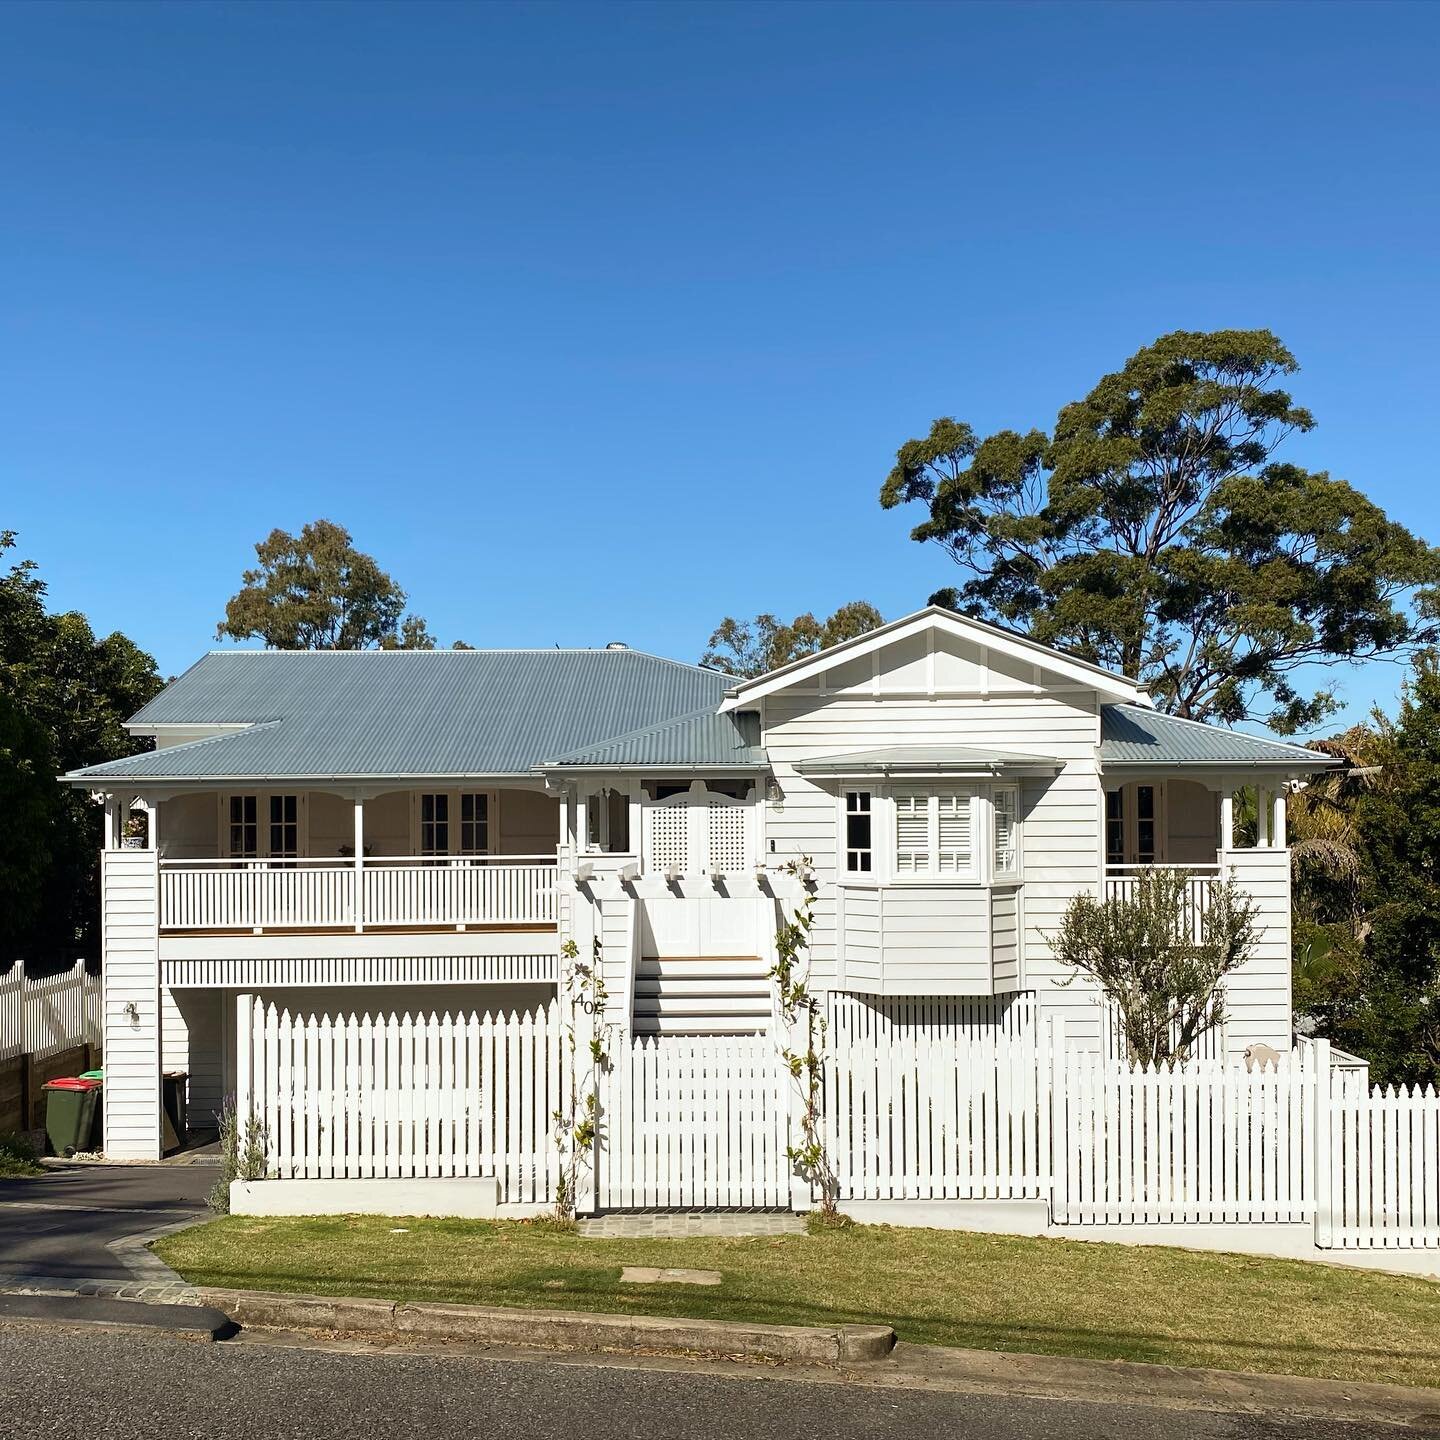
point(72, 1114)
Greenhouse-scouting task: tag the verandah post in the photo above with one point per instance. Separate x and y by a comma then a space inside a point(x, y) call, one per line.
point(244, 1061)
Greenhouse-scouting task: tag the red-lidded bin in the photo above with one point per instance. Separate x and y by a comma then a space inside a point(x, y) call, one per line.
point(72, 1114)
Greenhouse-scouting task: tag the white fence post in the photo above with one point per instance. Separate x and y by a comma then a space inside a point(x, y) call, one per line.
point(244, 1066)
point(1323, 1122)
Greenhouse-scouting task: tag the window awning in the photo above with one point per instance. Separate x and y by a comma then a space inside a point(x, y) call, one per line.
point(925, 761)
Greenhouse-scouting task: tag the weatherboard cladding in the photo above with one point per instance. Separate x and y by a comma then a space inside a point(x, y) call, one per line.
point(396, 713)
point(1134, 734)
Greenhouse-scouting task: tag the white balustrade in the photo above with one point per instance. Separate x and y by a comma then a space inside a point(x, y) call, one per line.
point(1121, 882)
point(312, 894)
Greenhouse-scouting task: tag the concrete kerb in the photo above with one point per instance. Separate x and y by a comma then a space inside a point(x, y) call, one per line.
point(487, 1327)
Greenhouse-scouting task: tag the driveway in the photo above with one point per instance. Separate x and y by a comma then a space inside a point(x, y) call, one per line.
point(60, 1224)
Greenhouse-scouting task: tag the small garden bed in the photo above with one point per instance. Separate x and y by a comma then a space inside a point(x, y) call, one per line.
point(1057, 1297)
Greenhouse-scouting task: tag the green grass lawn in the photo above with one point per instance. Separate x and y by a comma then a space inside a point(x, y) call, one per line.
point(1057, 1297)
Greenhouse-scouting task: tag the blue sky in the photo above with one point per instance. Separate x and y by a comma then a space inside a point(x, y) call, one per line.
point(600, 322)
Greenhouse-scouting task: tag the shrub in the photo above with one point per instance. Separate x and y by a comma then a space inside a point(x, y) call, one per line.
point(17, 1156)
point(242, 1150)
point(1139, 949)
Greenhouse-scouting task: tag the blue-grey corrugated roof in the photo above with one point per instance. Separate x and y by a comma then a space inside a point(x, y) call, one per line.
point(699, 740)
point(1136, 735)
point(325, 713)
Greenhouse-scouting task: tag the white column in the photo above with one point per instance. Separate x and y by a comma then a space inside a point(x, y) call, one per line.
point(1227, 821)
point(111, 840)
point(1262, 818)
point(582, 823)
point(1277, 819)
point(152, 829)
point(359, 864)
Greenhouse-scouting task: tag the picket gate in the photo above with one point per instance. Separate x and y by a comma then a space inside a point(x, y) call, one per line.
point(924, 1117)
point(694, 1121)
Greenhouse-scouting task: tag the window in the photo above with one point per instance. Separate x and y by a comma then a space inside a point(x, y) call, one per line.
point(474, 824)
point(284, 826)
point(1114, 827)
point(934, 833)
point(244, 830)
point(435, 824)
point(859, 835)
point(1145, 829)
point(1007, 831)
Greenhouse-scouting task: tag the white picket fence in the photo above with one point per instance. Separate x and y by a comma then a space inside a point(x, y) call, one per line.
point(1382, 1179)
point(918, 1117)
point(694, 1121)
point(1200, 1143)
point(939, 1113)
point(41, 1017)
point(401, 1096)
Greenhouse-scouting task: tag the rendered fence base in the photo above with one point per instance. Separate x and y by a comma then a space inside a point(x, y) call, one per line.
point(1278, 1240)
point(464, 1198)
point(991, 1217)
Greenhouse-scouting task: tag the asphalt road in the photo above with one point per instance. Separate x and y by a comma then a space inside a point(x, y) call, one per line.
point(60, 1223)
point(63, 1384)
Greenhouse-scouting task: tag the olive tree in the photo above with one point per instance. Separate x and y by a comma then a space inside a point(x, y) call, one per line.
point(1140, 949)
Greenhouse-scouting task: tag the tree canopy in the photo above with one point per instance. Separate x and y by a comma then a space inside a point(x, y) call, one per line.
point(316, 591)
point(752, 647)
point(64, 695)
point(1155, 532)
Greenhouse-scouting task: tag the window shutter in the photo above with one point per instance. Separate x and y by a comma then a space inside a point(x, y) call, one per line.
point(1007, 857)
point(955, 833)
point(912, 833)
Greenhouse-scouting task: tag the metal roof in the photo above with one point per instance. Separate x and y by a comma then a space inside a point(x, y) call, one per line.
point(925, 759)
point(1132, 735)
point(326, 714)
point(703, 740)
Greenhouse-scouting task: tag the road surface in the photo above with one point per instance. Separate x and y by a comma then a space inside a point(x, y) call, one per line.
point(66, 1384)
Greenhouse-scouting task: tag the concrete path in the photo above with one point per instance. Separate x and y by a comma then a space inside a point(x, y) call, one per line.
point(137, 1387)
point(61, 1225)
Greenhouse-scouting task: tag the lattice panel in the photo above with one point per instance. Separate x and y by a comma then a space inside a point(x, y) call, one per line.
point(727, 840)
point(669, 838)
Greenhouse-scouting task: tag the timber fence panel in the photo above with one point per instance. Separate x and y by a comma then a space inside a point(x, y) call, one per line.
point(394, 1096)
point(1384, 1175)
point(41, 1016)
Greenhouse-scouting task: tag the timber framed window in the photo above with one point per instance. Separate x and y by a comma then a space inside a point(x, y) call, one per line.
point(262, 825)
point(284, 826)
point(474, 823)
point(1135, 825)
point(435, 823)
point(859, 833)
point(244, 829)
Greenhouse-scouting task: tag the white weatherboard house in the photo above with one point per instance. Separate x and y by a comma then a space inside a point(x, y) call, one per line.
point(350, 833)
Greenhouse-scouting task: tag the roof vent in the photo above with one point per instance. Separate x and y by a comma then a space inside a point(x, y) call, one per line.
point(617, 645)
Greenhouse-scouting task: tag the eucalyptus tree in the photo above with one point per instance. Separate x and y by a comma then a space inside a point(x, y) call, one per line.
point(1156, 530)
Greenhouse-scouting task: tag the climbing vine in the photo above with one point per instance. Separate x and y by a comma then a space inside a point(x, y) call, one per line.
point(577, 1120)
point(803, 1047)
